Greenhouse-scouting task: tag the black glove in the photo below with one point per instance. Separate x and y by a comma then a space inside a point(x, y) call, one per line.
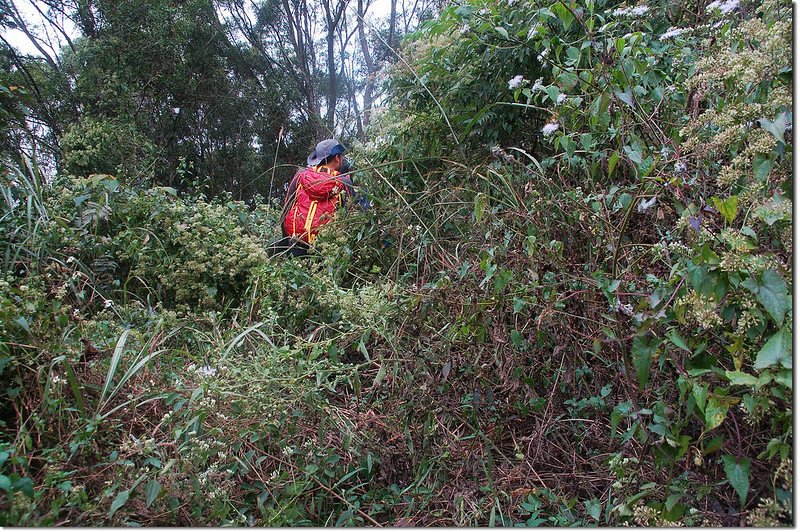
point(345, 167)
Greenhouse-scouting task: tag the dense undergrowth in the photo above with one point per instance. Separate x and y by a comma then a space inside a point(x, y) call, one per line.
point(570, 303)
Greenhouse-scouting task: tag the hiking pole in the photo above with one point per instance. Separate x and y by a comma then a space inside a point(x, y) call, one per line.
point(274, 164)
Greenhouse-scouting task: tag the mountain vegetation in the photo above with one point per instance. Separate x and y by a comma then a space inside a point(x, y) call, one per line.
point(565, 299)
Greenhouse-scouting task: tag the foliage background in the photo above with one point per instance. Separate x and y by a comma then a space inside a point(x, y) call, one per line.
point(569, 304)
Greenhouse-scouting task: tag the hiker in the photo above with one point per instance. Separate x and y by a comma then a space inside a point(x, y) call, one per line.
point(313, 196)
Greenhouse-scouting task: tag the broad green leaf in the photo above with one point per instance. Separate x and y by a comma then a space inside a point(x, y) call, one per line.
point(729, 208)
point(502, 31)
point(120, 499)
point(740, 378)
point(564, 14)
point(552, 93)
point(626, 97)
point(716, 410)
point(738, 473)
point(643, 352)
point(5, 483)
point(777, 128)
point(517, 339)
point(346, 516)
point(593, 508)
point(777, 350)
point(762, 167)
point(152, 491)
point(700, 394)
point(771, 292)
point(25, 485)
point(677, 339)
point(612, 163)
point(672, 500)
point(574, 55)
point(784, 377)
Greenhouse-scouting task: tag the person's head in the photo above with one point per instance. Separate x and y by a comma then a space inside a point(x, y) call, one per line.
point(327, 153)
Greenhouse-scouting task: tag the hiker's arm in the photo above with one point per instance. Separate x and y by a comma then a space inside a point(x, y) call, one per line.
point(348, 185)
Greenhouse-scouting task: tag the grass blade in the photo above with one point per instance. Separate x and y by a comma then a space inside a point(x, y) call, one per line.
point(112, 367)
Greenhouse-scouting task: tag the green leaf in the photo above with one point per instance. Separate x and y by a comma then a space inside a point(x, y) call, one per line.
point(346, 515)
point(784, 377)
point(716, 410)
point(25, 485)
point(728, 208)
point(612, 163)
point(5, 483)
point(552, 93)
point(564, 14)
point(672, 500)
point(677, 339)
point(771, 292)
point(643, 352)
point(574, 55)
point(23, 322)
point(502, 31)
point(502, 279)
point(740, 378)
point(379, 376)
point(152, 491)
point(626, 97)
point(777, 128)
point(738, 473)
point(593, 508)
point(777, 350)
point(762, 167)
point(518, 340)
point(120, 499)
point(481, 200)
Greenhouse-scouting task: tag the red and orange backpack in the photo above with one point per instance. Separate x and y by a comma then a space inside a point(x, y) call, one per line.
point(318, 192)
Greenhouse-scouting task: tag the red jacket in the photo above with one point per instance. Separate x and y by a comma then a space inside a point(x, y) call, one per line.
point(313, 202)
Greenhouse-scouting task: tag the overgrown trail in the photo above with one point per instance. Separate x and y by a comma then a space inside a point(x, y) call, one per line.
point(569, 302)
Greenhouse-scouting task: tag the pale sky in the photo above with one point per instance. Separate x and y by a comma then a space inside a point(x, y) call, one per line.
point(377, 9)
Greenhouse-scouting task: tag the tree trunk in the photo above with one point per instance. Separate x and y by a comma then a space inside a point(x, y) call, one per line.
point(370, 81)
point(333, 17)
point(392, 23)
point(331, 82)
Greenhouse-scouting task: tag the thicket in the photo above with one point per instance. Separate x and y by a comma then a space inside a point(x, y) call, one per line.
point(570, 302)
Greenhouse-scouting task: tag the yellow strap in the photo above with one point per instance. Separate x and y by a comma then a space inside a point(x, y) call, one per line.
point(326, 170)
point(312, 210)
point(297, 188)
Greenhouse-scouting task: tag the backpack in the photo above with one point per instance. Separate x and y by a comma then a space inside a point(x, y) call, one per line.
point(317, 195)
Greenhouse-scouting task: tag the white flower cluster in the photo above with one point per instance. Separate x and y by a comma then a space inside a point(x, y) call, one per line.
point(560, 98)
point(636, 11)
point(542, 56)
point(626, 308)
point(206, 371)
point(550, 128)
point(672, 32)
point(725, 6)
point(516, 82)
point(645, 205)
